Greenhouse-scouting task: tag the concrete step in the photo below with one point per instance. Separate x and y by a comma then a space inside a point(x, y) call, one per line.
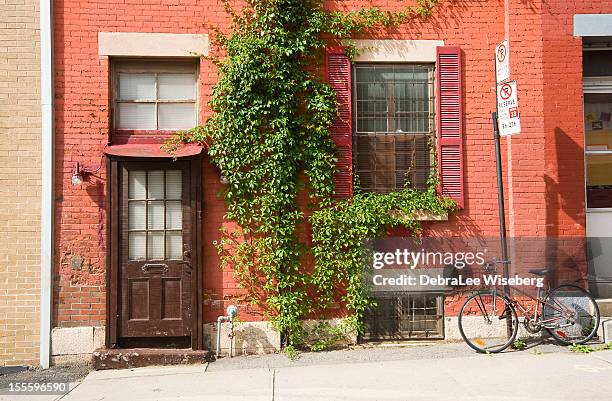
point(127, 358)
point(605, 307)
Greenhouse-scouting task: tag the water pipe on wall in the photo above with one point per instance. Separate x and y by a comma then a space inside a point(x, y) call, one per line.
point(231, 311)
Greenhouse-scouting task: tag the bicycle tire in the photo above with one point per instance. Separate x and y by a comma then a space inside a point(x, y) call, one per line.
point(580, 300)
point(473, 336)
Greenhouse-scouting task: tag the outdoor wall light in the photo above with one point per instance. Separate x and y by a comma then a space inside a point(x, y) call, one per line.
point(223, 180)
point(79, 173)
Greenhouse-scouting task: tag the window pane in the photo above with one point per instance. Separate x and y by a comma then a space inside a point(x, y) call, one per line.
point(136, 116)
point(155, 246)
point(174, 184)
point(393, 99)
point(136, 215)
point(177, 86)
point(174, 215)
point(174, 245)
point(388, 162)
point(599, 180)
point(596, 63)
point(136, 86)
point(136, 247)
point(155, 189)
point(177, 115)
point(598, 121)
point(155, 216)
point(137, 184)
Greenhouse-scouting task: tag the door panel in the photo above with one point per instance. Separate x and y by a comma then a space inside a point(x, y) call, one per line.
point(155, 270)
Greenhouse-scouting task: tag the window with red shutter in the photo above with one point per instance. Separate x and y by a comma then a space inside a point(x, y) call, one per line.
point(394, 125)
point(450, 122)
point(338, 74)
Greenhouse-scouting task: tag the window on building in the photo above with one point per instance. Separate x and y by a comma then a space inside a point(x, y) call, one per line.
point(394, 126)
point(598, 148)
point(403, 316)
point(155, 95)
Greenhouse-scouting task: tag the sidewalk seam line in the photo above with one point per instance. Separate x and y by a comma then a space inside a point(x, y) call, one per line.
point(70, 390)
point(273, 382)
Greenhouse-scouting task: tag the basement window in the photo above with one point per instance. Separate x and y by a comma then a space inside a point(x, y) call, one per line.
point(400, 316)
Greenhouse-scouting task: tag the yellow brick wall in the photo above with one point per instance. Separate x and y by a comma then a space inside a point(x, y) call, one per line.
point(19, 181)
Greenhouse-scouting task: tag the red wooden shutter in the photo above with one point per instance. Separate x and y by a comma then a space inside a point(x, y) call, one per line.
point(449, 122)
point(338, 74)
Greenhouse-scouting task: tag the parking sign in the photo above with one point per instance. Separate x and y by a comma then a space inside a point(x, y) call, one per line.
point(508, 115)
point(502, 61)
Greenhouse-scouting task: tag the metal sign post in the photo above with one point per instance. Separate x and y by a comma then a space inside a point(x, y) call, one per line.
point(499, 79)
point(500, 199)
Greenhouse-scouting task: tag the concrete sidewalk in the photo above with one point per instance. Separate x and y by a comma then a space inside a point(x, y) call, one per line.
point(511, 376)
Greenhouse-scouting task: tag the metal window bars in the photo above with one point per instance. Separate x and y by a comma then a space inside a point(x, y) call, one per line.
point(394, 125)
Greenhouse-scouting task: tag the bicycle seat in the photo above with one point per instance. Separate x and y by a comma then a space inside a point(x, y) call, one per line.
point(539, 272)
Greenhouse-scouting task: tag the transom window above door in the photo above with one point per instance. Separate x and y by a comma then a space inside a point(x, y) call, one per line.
point(155, 95)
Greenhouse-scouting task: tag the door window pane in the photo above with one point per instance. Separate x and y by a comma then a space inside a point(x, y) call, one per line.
point(137, 245)
point(155, 245)
point(174, 215)
point(156, 215)
point(155, 219)
point(174, 245)
point(136, 215)
point(174, 184)
point(137, 185)
point(155, 185)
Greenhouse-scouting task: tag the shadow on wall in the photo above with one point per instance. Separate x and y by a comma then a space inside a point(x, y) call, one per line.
point(564, 206)
point(250, 338)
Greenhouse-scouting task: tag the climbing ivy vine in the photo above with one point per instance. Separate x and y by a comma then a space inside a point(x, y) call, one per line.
point(269, 136)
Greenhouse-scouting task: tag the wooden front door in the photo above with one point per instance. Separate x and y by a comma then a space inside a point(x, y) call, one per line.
point(155, 260)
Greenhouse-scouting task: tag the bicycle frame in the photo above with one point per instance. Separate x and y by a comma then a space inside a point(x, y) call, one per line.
point(540, 300)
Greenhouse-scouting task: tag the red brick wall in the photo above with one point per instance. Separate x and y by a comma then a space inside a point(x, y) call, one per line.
point(546, 195)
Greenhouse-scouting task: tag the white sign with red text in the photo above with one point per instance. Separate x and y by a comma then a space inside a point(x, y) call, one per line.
point(508, 116)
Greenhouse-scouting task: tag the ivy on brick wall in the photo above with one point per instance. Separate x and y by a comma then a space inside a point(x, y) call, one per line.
point(269, 136)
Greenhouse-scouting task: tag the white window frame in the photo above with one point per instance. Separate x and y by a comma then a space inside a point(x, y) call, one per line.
point(155, 67)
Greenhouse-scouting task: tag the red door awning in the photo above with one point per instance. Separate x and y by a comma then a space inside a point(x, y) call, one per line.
point(152, 150)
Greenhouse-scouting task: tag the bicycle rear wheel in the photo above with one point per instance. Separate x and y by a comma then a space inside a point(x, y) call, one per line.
point(488, 322)
point(570, 315)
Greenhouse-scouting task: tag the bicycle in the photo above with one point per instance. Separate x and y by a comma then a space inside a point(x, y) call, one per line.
point(488, 320)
